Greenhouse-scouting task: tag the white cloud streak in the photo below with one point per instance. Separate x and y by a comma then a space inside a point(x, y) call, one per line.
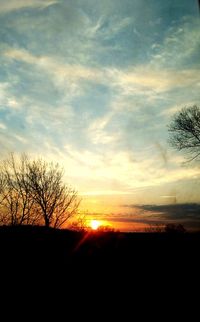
point(7, 6)
point(3, 126)
point(137, 80)
point(179, 45)
point(114, 27)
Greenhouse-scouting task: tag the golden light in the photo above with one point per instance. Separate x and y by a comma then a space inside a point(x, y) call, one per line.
point(94, 224)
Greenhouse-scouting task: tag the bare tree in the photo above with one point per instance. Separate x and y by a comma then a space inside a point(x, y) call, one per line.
point(3, 217)
point(33, 191)
point(80, 224)
point(15, 199)
point(56, 201)
point(185, 131)
point(174, 228)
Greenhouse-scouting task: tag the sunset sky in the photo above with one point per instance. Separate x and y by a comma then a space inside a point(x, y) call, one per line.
point(92, 85)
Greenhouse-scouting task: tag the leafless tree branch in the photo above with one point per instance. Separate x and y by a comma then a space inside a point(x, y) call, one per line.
point(33, 191)
point(185, 131)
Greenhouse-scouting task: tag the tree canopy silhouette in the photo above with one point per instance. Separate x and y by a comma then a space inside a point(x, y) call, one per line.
point(185, 131)
point(57, 201)
point(33, 191)
point(16, 202)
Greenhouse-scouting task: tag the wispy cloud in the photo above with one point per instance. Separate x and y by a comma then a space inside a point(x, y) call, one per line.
point(51, 65)
point(145, 78)
point(108, 28)
point(180, 44)
point(3, 126)
point(139, 80)
point(93, 85)
point(133, 168)
point(20, 138)
point(7, 100)
point(12, 5)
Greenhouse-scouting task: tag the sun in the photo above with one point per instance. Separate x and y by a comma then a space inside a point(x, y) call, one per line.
point(94, 224)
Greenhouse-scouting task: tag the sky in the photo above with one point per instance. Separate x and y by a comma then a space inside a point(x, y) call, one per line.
point(93, 85)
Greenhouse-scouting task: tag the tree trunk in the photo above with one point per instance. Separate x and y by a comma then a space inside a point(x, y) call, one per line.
point(47, 223)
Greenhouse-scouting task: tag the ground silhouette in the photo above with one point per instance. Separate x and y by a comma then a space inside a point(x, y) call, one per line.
point(37, 244)
point(94, 269)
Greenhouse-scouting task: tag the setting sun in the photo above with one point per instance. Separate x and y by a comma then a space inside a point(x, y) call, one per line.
point(94, 224)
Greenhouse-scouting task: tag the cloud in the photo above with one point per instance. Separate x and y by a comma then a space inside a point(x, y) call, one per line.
point(93, 85)
point(20, 138)
point(61, 74)
point(145, 78)
point(106, 28)
point(98, 130)
point(176, 212)
point(140, 80)
point(133, 164)
point(187, 214)
point(117, 167)
point(3, 126)
point(180, 44)
point(7, 100)
point(52, 66)
point(13, 5)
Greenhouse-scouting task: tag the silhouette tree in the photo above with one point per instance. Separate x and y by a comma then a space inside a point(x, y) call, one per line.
point(175, 228)
point(106, 229)
point(15, 199)
point(80, 224)
point(154, 228)
point(185, 131)
point(57, 202)
point(33, 191)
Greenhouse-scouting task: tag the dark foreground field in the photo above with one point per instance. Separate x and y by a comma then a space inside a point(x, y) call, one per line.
point(32, 245)
point(101, 268)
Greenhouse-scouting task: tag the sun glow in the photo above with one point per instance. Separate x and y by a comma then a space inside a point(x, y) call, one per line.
point(95, 224)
